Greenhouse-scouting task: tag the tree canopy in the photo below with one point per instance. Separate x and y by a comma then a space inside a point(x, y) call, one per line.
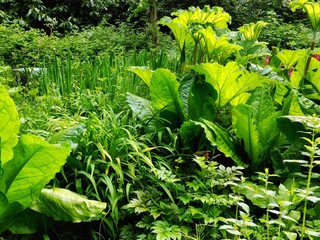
point(66, 15)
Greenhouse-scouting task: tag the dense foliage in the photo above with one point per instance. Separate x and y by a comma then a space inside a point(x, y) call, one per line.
point(213, 134)
point(74, 14)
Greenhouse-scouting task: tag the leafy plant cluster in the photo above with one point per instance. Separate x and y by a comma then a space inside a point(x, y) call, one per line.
point(221, 144)
point(20, 48)
point(27, 164)
point(231, 78)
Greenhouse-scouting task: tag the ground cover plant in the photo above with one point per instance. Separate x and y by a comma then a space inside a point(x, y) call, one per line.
point(217, 141)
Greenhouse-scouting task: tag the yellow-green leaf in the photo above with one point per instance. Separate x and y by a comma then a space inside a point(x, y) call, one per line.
point(9, 125)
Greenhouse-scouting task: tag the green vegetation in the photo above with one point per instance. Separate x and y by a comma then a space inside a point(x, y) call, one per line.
point(211, 132)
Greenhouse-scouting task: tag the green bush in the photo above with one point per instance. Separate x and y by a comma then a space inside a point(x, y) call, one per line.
point(20, 48)
point(293, 35)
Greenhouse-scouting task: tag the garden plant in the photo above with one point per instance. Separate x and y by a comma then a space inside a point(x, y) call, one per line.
point(212, 134)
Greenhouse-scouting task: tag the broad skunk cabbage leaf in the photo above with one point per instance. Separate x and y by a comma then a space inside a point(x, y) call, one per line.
point(164, 94)
point(252, 31)
point(218, 48)
point(229, 81)
point(34, 164)
point(220, 138)
point(63, 204)
point(26, 166)
point(9, 125)
point(311, 8)
point(143, 72)
point(180, 24)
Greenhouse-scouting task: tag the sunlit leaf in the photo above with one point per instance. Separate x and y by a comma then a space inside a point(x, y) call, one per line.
point(218, 48)
point(291, 235)
point(180, 31)
point(311, 8)
point(229, 81)
point(312, 233)
point(313, 199)
point(63, 204)
point(34, 164)
point(143, 72)
point(290, 57)
point(252, 31)
point(9, 125)
point(244, 206)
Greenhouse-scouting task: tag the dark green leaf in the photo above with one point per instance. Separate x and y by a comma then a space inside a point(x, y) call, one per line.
point(246, 129)
point(165, 97)
point(220, 138)
point(202, 101)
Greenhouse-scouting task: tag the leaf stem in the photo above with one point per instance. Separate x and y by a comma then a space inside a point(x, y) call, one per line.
point(266, 190)
point(312, 153)
point(313, 45)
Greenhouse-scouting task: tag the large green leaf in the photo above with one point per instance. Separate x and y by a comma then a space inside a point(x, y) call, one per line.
point(314, 75)
point(298, 72)
point(192, 136)
point(9, 125)
point(246, 129)
point(30, 221)
point(294, 128)
point(264, 118)
point(309, 122)
point(262, 104)
point(229, 80)
point(143, 72)
point(290, 57)
point(218, 48)
point(164, 94)
point(65, 205)
point(201, 101)
point(295, 109)
point(311, 8)
point(269, 133)
point(34, 164)
point(307, 106)
point(220, 138)
point(264, 115)
point(252, 31)
point(180, 31)
point(8, 215)
point(184, 90)
point(72, 135)
point(140, 107)
point(181, 24)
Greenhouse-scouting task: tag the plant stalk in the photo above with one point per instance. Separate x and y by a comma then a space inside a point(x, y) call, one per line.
point(267, 215)
point(313, 45)
point(308, 184)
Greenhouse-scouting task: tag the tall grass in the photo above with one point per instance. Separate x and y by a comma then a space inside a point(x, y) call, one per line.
point(107, 73)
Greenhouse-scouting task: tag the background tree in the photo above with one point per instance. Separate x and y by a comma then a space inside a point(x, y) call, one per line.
point(66, 15)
